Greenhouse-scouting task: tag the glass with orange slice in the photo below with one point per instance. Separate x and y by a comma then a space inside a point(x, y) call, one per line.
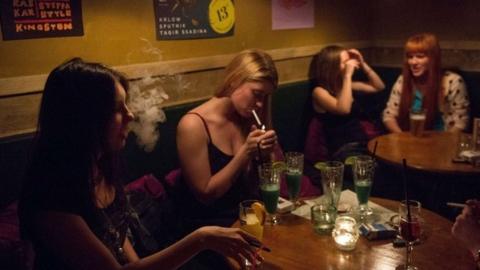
point(252, 218)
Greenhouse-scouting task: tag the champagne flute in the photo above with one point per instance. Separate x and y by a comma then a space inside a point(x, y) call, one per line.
point(410, 229)
point(270, 190)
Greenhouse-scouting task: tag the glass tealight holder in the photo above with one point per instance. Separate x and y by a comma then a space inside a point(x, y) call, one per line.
point(323, 217)
point(345, 233)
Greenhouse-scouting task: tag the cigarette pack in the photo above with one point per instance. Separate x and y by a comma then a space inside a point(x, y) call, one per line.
point(377, 231)
point(284, 206)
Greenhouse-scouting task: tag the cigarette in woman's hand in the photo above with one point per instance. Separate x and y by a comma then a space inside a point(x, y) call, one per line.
point(456, 205)
point(260, 246)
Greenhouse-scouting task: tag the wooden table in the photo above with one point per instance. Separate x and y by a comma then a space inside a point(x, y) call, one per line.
point(433, 152)
point(295, 245)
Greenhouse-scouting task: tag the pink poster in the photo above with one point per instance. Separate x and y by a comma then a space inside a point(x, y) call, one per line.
point(292, 14)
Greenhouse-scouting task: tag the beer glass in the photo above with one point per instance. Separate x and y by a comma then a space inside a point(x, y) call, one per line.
point(417, 121)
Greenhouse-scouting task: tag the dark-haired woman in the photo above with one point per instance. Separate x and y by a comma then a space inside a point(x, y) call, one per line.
point(333, 100)
point(73, 207)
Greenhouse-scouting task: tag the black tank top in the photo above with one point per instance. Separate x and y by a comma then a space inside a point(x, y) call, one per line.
point(224, 210)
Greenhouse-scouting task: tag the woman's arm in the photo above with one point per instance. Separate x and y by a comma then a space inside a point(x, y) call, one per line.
point(129, 251)
point(72, 240)
point(374, 84)
point(192, 149)
point(391, 111)
point(456, 116)
point(342, 103)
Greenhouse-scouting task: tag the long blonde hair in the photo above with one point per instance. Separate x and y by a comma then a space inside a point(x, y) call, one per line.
point(426, 43)
point(253, 65)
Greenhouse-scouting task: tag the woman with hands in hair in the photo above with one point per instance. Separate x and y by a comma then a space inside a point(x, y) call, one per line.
point(333, 96)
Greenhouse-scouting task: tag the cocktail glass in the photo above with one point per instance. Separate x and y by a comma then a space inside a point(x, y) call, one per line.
point(252, 217)
point(294, 162)
point(332, 181)
point(270, 190)
point(410, 229)
point(363, 170)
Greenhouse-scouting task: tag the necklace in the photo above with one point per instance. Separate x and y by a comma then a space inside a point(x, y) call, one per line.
point(107, 206)
point(112, 238)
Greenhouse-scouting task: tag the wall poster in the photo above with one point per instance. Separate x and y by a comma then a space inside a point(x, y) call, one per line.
point(292, 14)
point(194, 19)
point(25, 19)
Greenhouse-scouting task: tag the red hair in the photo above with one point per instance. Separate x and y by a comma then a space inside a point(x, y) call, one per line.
point(426, 43)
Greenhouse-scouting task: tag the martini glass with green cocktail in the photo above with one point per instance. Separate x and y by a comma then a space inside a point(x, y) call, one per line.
point(293, 176)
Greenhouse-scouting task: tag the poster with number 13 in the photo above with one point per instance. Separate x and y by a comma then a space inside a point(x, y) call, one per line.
point(194, 19)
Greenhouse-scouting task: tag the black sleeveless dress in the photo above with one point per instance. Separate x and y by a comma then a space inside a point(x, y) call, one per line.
point(342, 129)
point(224, 210)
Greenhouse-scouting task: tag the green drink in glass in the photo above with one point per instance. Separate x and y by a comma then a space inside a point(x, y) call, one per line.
point(270, 190)
point(293, 183)
point(294, 162)
point(270, 193)
point(362, 188)
point(363, 169)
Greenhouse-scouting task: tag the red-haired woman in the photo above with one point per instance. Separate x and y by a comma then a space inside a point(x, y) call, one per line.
point(424, 85)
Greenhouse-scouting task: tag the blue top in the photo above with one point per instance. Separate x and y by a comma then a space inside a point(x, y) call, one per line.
point(417, 106)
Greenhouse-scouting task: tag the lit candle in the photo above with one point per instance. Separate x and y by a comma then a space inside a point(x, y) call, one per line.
point(345, 234)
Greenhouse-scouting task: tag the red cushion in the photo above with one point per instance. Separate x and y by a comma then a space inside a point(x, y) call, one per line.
point(315, 142)
point(307, 189)
point(14, 252)
point(149, 184)
point(9, 223)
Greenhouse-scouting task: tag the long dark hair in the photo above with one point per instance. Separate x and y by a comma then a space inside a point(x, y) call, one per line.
point(70, 145)
point(326, 69)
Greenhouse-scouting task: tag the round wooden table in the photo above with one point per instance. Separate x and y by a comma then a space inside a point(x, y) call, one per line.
point(295, 245)
point(433, 152)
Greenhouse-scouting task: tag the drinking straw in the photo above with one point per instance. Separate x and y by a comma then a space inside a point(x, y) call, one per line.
point(405, 187)
point(375, 150)
point(259, 123)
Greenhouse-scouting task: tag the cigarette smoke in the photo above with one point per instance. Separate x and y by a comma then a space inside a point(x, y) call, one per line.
point(146, 96)
point(145, 99)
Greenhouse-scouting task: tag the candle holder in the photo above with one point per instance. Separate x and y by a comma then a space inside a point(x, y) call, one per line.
point(345, 234)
